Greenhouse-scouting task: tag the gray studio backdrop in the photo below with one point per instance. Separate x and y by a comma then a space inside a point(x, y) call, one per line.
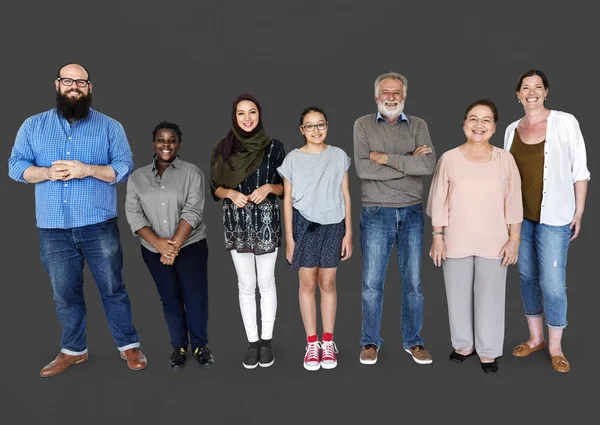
point(186, 61)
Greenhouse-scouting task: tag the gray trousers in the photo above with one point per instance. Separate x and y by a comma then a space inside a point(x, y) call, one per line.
point(475, 290)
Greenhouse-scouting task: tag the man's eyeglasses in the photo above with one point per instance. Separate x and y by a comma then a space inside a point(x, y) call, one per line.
point(311, 127)
point(67, 82)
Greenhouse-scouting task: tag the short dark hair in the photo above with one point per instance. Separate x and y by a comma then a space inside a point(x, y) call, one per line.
point(483, 102)
point(531, 73)
point(89, 78)
point(167, 125)
point(310, 109)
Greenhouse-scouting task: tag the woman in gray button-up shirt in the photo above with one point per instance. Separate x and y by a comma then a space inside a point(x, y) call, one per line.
point(164, 207)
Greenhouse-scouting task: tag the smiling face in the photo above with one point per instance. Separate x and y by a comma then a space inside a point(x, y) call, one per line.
point(314, 127)
point(479, 125)
point(532, 92)
point(390, 98)
point(166, 144)
point(246, 115)
point(73, 72)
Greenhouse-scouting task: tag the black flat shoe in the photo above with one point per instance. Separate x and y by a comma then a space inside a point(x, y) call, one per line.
point(490, 367)
point(252, 356)
point(204, 357)
point(265, 354)
point(177, 359)
point(459, 358)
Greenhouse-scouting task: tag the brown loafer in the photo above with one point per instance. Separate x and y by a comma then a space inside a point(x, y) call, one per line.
point(560, 364)
point(523, 350)
point(61, 363)
point(135, 359)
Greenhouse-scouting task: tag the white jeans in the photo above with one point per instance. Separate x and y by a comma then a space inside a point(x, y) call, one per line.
point(247, 275)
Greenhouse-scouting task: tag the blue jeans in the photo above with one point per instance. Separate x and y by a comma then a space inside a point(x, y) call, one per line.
point(183, 290)
point(380, 227)
point(63, 252)
point(542, 269)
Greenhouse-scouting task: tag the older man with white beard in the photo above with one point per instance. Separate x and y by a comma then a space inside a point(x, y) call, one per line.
point(392, 151)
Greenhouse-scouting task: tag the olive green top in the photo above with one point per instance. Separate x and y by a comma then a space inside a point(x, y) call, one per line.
point(530, 161)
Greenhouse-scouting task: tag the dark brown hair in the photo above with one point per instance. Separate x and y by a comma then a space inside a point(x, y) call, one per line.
point(531, 73)
point(483, 102)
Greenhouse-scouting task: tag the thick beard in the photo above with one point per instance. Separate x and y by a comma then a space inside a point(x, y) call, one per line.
point(73, 109)
point(390, 112)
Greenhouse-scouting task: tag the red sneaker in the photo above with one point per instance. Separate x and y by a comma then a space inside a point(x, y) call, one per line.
point(312, 358)
point(329, 355)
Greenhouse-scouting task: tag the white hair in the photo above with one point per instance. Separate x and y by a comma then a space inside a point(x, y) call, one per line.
point(393, 76)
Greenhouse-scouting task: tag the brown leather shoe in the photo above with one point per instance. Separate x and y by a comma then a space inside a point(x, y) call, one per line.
point(560, 363)
point(523, 350)
point(419, 354)
point(368, 354)
point(135, 359)
point(61, 363)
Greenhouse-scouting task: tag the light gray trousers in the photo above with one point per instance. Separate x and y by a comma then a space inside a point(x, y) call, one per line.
point(475, 290)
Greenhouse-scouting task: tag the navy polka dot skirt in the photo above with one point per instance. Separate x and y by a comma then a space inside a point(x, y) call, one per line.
point(317, 245)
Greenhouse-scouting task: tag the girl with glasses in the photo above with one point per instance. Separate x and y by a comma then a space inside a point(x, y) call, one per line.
point(318, 229)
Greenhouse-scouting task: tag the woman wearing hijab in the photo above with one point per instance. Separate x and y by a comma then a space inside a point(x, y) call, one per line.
point(244, 175)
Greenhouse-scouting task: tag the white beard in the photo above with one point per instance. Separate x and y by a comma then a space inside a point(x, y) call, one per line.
point(390, 111)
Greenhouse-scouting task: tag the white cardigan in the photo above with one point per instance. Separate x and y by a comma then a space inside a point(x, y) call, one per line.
point(564, 164)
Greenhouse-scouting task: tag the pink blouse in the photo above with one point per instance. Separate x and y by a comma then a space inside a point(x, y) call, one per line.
point(475, 202)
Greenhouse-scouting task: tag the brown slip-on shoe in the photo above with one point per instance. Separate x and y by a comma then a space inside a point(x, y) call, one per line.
point(419, 354)
point(523, 350)
point(135, 359)
point(368, 354)
point(560, 363)
point(61, 363)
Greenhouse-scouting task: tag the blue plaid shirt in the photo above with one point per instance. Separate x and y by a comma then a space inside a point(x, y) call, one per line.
point(97, 140)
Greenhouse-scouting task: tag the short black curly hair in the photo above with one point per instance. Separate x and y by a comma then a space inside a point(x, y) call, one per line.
point(167, 125)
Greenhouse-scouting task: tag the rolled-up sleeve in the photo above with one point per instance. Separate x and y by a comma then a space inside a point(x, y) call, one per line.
point(22, 156)
point(513, 200)
point(437, 204)
point(121, 158)
point(133, 209)
point(285, 169)
point(194, 202)
point(578, 155)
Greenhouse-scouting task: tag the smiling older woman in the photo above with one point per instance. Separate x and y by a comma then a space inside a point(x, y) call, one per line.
point(476, 214)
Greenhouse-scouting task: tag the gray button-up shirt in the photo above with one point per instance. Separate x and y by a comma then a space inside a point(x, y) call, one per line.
point(159, 203)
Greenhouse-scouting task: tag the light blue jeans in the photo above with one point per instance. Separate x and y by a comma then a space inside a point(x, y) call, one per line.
point(542, 269)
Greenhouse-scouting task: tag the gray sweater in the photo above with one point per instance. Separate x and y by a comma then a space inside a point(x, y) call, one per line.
point(399, 183)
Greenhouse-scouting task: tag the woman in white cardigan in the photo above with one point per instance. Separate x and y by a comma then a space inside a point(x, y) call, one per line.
point(550, 153)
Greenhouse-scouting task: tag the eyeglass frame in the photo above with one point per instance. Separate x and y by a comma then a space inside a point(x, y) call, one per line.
point(74, 80)
point(474, 120)
point(315, 126)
